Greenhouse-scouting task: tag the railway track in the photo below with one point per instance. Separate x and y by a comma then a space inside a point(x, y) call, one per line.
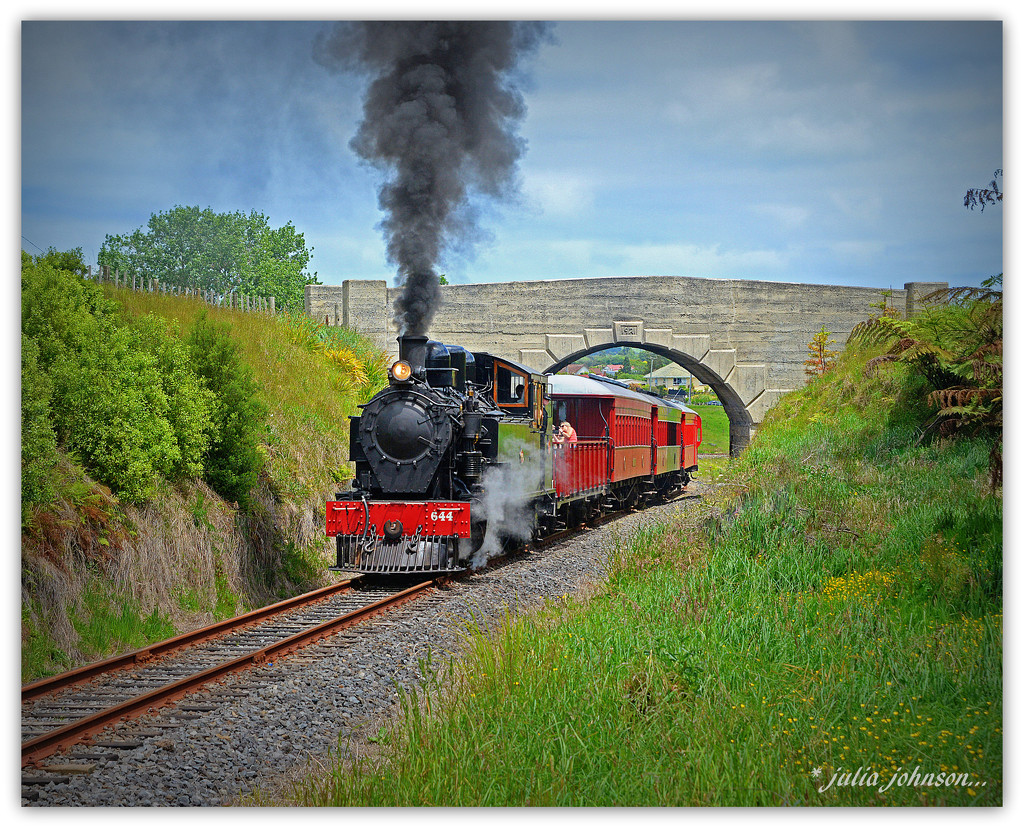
point(68, 709)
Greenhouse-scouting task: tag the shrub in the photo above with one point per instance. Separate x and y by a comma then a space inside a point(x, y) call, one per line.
point(121, 395)
point(234, 459)
point(190, 402)
point(111, 410)
point(61, 312)
point(38, 442)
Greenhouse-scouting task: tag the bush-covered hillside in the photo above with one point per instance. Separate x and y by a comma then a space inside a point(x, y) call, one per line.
point(175, 460)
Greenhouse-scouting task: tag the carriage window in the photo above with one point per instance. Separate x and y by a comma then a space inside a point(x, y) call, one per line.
point(510, 386)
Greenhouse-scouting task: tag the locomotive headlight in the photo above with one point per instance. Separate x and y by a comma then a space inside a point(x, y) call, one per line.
point(401, 371)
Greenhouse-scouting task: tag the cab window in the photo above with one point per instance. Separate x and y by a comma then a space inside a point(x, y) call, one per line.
point(538, 405)
point(510, 386)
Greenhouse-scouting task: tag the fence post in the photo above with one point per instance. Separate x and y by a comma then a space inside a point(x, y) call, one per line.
point(273, 310)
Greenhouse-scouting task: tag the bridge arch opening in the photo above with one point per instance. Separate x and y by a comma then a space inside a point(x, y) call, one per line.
point(740, 422)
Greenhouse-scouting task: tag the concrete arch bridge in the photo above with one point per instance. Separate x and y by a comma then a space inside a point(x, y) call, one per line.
point(747, 340)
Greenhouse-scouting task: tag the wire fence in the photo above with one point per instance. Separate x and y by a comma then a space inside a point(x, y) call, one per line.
point(233, 299)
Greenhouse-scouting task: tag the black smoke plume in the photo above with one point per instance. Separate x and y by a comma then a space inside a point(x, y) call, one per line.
point(440, 117)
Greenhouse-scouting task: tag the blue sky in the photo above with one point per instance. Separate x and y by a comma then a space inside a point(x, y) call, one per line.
point(824, 152)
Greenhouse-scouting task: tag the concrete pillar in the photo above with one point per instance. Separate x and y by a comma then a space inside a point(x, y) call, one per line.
point(916, 291)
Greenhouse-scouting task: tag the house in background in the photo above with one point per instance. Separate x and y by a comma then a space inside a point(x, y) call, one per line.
point(675, 379)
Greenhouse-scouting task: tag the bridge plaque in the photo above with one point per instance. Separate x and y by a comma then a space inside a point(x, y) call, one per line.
point(632, 331)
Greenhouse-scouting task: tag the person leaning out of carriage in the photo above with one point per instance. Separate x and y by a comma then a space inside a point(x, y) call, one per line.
point(565, 434)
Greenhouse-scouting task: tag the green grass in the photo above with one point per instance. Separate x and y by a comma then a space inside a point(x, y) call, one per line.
point(714, 427)
point(108, 623)
point(40, 655)
point(841, 611)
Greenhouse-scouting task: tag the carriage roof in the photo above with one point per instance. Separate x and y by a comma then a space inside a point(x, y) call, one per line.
point(568, 384)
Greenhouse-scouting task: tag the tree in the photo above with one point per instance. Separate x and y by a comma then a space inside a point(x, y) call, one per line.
point(63, 260)
point(981, 196)
point(221, 252)
point(821, 358)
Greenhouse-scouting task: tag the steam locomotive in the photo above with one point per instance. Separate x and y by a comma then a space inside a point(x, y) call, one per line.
point(459, 456)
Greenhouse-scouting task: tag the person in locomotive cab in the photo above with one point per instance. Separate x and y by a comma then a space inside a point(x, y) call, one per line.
point(565, 434)
point(518, 396)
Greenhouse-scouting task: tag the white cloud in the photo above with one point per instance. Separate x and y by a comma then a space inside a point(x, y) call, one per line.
point(696, 260)
point(558, 194)
point(811, 133)
point(785, 216)
point(863, 206)
point(862, 251)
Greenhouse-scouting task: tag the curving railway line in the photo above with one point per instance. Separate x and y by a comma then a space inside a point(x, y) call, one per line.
point(148, 718)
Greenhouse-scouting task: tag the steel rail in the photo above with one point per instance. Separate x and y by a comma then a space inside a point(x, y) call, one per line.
point(42, 746)
point(126, 660)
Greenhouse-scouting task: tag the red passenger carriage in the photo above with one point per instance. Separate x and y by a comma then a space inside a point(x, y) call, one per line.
point(630, 444)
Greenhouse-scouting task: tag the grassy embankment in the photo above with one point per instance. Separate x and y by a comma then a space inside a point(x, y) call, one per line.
point(100, 576)
point(835, 607)
point(714, 427)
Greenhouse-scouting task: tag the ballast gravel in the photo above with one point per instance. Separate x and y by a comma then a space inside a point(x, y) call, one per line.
point(287, 715)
